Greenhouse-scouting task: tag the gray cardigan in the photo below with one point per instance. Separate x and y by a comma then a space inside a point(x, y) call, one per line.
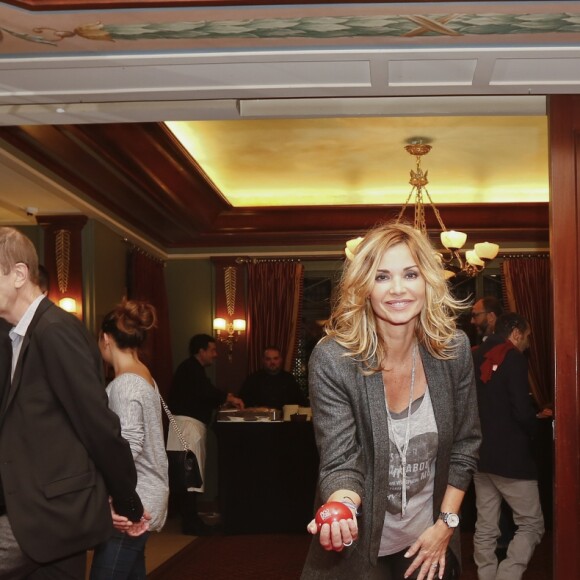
point(351, 428)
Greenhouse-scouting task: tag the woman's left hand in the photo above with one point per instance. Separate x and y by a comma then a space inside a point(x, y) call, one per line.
point(429, 551)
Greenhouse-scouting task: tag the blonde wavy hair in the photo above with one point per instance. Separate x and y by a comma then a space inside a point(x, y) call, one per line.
point(352, 322)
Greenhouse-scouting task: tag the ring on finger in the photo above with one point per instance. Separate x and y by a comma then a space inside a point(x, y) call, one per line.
point(434, 565)
point(347, 544)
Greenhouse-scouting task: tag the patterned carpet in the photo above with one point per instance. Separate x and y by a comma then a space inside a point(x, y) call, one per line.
point(281, 557)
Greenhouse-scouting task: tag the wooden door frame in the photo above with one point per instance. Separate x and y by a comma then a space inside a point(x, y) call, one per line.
point(564, 146)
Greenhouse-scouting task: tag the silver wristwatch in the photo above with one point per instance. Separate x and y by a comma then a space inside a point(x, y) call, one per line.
point(451, 519)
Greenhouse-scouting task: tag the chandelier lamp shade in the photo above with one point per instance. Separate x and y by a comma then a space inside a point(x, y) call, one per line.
point(453, 241)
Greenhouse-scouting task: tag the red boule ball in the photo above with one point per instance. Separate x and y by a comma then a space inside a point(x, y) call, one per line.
point(332, 511)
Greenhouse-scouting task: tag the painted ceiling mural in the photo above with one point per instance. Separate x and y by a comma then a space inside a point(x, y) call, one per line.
point(108, 31)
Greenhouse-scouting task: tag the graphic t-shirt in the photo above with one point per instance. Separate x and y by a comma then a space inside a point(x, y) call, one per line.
point(400, 532)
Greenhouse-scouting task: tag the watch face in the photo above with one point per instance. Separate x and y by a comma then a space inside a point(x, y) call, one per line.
point(452, 520)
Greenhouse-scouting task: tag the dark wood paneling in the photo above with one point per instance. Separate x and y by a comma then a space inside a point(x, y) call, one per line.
point(529, 217)
point(137, 172)
point(564, 135)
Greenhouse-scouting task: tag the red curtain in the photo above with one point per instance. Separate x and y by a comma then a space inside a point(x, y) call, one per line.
point(146, 281)
point(274, 309)
point(526, 283)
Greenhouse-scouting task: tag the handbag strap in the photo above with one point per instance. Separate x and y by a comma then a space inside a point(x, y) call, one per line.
point(174, 423)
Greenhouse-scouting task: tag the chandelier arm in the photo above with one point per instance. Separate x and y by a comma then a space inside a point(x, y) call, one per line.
point(420, 214)
point(436, 211)
point(452, 259)
point(459, 259)
point(405, 205)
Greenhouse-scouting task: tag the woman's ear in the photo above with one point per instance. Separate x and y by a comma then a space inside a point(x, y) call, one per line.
point(105, 338)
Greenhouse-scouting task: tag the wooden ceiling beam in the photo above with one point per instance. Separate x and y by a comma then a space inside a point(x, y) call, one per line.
point(345, 218)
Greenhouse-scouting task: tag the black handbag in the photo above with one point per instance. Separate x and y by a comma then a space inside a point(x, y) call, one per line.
point(184, 472)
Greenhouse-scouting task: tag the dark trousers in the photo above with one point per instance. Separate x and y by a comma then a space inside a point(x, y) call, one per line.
point(122, 557)
point(187, 506)
point(394, 566)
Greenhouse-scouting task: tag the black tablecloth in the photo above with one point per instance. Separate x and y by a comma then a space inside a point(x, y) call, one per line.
point(267, 476)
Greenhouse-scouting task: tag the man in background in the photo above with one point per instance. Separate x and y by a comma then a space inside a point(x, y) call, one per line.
point(271, 386)
point(507, 469)
point(61, 451)
point(484, 315)
point(193, 400)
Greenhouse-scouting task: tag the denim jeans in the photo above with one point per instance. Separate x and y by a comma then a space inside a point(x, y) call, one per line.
point(122, 557)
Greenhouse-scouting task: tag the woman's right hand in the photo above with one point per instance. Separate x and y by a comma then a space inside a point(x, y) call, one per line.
point(336, 536)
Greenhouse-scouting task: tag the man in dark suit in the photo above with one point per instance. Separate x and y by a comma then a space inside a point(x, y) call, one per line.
point(507, 469)
point(193, 399)
point(61, 451)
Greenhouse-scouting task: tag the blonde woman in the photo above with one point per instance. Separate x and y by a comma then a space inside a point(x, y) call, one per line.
point(395, 416)
point(134, 397)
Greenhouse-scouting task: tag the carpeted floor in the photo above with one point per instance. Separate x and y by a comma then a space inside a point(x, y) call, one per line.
point(269, 556)
point(280, 557)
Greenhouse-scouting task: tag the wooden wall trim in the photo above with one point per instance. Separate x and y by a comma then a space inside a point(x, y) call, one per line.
point(564, 136)
point(472, 218)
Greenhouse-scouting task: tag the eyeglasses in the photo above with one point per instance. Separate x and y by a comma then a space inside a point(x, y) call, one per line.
point(476, 314)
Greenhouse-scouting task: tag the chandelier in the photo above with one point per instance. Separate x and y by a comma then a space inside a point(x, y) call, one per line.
point(454, 263)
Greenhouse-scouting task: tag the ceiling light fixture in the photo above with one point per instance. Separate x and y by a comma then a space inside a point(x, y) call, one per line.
point(475, 260)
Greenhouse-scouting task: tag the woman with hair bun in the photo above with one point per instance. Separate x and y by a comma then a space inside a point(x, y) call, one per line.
point(395, 416)
point(134, 397)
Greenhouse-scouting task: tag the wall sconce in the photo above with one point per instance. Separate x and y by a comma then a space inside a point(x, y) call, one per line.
point(68, 304)
point(231, 331)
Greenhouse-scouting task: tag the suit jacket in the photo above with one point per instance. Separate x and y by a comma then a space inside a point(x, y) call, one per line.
point(61, 450)
point(351, 429)
point(193, 394)
point(508, 417)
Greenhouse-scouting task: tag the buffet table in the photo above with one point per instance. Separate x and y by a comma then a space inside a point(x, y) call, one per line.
point(267, 476)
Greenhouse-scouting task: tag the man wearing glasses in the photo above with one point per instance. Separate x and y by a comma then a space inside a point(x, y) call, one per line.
point(484, 314)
